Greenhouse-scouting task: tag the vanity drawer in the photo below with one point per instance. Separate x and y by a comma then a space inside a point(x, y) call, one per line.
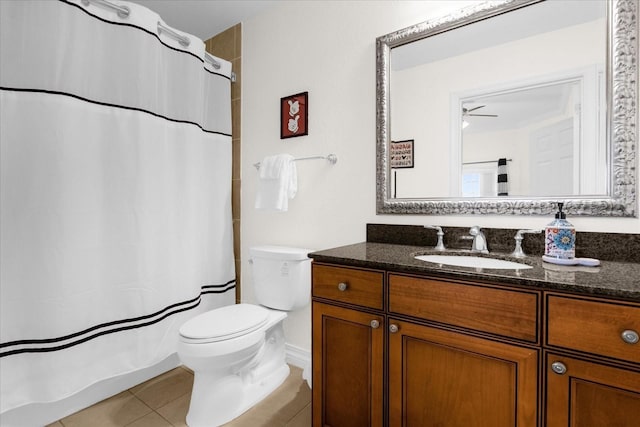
point(509, 313)
point(593, 326)
point(348, 285)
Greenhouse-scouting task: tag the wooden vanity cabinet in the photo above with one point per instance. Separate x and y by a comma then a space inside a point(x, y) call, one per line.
point(440, 376)
point(348, 347)
point(487, 309)
point(583, 393)
point(436, 376)
point(593, 364)
point(392, 349)
point(443, 378)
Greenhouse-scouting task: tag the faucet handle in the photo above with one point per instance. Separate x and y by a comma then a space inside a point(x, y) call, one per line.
point(440, 245)
point(519, 234)
point(519, 237)
point(475, 230)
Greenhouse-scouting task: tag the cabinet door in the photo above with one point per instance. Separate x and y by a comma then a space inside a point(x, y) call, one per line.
point(447, 379)
point(588, 394)
point(347, 367)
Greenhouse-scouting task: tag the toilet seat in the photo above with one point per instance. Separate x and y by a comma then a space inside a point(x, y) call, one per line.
point(224, 323)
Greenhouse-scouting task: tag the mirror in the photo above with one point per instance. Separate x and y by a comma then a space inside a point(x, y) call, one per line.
point(509, 107)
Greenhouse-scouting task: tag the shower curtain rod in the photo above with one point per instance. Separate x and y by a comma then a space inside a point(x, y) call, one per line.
point(124, 11)
point(331, 158)
point(486, 161)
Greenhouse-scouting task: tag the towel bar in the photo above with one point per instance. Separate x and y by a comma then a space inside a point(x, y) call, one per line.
point(331, 158)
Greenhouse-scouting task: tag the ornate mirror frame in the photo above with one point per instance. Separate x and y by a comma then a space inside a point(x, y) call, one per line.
point(622, 73)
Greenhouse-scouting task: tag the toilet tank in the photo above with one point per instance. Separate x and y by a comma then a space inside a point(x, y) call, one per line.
point(281, 276)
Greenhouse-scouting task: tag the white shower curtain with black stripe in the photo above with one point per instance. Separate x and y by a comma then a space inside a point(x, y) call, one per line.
point(115, 194)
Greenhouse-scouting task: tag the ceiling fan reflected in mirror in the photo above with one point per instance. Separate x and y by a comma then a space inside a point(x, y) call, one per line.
point(469, 112)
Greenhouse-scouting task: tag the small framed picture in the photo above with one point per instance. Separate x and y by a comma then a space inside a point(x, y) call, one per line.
point(401, 153)
point(294, 115)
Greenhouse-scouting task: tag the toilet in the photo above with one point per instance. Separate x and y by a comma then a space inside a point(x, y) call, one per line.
point(237, 352)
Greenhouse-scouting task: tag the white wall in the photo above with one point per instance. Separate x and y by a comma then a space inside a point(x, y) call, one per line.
point(328, 49)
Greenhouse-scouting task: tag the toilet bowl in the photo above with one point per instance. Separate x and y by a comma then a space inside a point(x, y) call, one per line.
point(237, 352)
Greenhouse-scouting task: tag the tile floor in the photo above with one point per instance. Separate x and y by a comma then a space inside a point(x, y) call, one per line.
point(163, 402)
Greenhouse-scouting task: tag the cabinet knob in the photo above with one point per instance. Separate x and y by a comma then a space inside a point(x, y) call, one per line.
point(559, 368)
point(393, 328)
point(630, 337)
point(375, 324)
point(342, 286)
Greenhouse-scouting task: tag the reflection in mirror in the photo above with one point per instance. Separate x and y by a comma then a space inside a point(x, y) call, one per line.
point(508, 112)
point(552, 138)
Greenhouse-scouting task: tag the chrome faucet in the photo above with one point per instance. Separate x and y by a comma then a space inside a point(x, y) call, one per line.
point(479, 240)
point(440, 245)
point(518, 252)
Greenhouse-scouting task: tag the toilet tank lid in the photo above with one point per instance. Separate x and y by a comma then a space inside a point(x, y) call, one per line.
point(279, 252)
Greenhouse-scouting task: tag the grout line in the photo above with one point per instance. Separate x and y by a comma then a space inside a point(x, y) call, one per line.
point(308, 405)
point(170, 423)
point(141, 401)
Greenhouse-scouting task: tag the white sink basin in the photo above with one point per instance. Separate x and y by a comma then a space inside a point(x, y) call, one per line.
point(473, 261)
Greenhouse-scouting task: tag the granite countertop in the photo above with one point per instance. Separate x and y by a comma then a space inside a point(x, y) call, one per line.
point(620, 280)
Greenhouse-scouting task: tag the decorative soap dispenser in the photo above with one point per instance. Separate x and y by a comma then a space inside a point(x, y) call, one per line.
point(560, 237)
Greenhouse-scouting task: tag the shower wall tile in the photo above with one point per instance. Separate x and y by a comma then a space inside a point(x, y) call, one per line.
point(228, 45)
point(237, 165)
point(236, 243)
point(238, 40)
point(235, 114)
point(238, 280)
point(236, 66)
point(223, 44)
point(235, 199)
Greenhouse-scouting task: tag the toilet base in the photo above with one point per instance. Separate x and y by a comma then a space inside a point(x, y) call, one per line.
point(257, 392)
point(252, 394)
point(227, 385)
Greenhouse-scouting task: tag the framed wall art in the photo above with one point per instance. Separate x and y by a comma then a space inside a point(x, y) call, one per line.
point(294, 115)
point(401, 154)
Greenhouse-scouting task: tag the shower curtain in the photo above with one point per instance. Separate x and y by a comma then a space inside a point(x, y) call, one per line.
point(115, 194)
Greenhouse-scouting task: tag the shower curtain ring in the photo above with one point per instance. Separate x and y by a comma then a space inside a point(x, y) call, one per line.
point(121, 11)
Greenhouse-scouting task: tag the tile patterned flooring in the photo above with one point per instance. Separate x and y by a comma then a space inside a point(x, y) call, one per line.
point(163, 402)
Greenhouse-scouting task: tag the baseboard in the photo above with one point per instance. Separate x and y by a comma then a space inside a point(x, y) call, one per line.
point(300, 358)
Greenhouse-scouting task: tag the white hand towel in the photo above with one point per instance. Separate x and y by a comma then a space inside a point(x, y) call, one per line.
point(277, 183)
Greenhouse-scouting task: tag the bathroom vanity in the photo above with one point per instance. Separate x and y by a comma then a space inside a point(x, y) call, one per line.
point(399, 341)
point(402, 342)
